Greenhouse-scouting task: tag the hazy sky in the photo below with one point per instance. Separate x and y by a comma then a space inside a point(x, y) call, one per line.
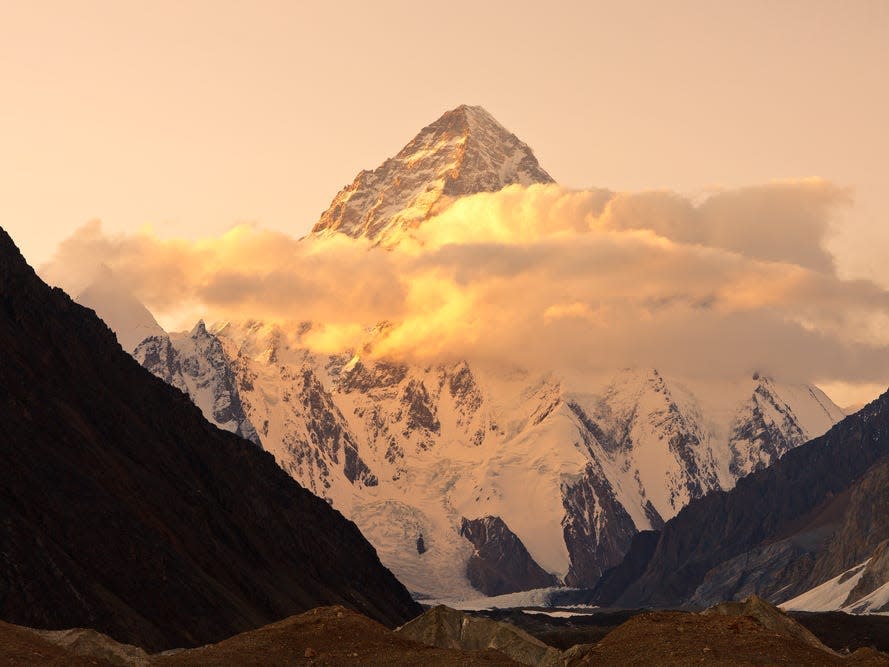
point(192, 116)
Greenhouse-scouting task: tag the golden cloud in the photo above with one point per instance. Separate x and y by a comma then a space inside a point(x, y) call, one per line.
point(540, 276)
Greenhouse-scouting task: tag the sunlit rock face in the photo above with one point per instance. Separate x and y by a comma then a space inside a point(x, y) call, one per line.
point(464, 152)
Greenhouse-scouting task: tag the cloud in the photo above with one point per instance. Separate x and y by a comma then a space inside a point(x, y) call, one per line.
point(246, 272)
point(785, 221)
point(544, 277)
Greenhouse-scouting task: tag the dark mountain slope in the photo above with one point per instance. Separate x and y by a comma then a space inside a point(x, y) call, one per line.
point(773, 524)
point(501, 564)
point(123, 510)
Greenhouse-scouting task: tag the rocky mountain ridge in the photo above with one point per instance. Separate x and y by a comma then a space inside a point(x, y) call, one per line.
point(198, 367)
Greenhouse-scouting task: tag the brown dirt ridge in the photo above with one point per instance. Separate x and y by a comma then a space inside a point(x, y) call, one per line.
point(674, 638)
point(751, 633)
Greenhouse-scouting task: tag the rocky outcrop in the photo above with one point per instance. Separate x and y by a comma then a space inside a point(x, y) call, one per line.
point(614, 581)
point(124, 510)
point(864, 524)
point(420, 410)
point(773, 571)
point(850, 530)
point(851, 570)
point(381, 375)
point(95, 646)
point(501, 563)
point(327, 432)
point(157, 354)
point(597, 528)
point(769, 617)
point(447, 628)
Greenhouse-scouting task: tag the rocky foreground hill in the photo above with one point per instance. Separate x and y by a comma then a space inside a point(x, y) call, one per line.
point(753, 633)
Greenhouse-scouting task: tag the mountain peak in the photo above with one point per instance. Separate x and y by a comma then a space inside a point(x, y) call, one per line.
point(199, 330)
point(12, 264)
point(463, 152)
point(119, 308)
point(471, 117)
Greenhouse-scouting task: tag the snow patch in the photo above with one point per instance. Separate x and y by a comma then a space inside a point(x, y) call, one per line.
point(830, 595)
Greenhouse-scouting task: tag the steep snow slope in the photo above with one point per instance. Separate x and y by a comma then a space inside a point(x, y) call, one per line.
point(573, 470)
point(846, 593)
point(862, 589)
point(829, 596)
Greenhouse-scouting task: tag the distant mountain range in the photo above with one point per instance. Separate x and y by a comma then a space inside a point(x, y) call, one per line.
point(568, 470)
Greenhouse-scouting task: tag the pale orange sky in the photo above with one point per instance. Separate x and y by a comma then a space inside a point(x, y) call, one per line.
point(192, 116)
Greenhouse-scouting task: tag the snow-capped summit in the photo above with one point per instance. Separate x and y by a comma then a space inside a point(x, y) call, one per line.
point(464, 152)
